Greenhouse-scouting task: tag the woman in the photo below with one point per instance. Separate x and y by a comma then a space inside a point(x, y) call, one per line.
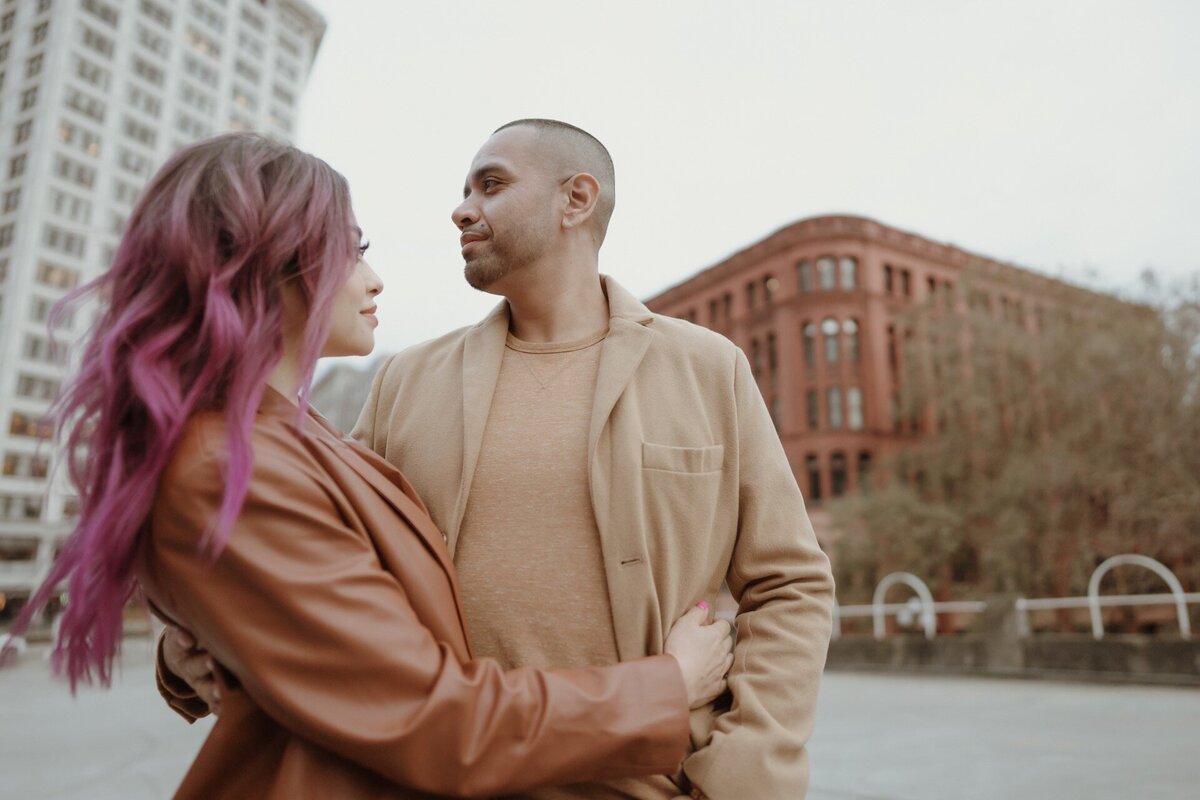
point(303, 562)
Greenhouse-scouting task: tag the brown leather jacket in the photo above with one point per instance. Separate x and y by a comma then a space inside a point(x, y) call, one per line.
point(344, 669)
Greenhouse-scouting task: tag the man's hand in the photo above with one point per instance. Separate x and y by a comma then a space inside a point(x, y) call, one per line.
point(192, 664)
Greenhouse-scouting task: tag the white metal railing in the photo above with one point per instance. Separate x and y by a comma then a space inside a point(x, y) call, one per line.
point(924, 608)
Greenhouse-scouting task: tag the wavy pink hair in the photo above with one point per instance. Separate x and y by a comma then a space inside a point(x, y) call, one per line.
point(192, 319)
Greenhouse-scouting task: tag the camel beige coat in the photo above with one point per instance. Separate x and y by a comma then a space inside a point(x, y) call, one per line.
point(690, 487)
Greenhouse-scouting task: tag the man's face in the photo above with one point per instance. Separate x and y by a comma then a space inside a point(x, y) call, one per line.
point(508, 217)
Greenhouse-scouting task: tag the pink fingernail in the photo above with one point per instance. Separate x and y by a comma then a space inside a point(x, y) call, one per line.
point(702, 604)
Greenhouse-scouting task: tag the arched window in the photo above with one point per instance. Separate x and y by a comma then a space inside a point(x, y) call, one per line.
point(810, 344)
point(837, 474)
point(827, 272)
point(812, 465)
point(849, 270)
point(830, 328)
point(770, 286)
point(812, 409)
point(833, 399)
point(850, 328)
point(804, 276)
point(854, 408)
point(772, 359)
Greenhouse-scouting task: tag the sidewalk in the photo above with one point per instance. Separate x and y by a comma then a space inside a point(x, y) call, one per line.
point(878, 737)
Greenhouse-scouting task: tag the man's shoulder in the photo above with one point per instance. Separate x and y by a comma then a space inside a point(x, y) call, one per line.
point(691, 340)
point(427, 352)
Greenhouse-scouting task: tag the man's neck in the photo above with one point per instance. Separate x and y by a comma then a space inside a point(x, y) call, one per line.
point(559, 309)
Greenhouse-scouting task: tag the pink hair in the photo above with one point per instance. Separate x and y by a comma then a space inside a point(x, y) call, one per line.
point(192, 320)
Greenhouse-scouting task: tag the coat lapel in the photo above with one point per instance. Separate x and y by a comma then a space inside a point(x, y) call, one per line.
point(387, 481)
point(483, 353)
point(622, 353)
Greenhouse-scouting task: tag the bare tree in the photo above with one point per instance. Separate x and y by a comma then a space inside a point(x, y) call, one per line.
point(1052, 435)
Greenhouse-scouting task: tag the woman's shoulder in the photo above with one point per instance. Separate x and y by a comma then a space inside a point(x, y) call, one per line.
point(202, 451)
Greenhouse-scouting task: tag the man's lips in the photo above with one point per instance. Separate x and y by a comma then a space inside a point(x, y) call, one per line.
point(470, 237)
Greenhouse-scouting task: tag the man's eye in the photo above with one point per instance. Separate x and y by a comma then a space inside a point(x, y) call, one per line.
point(489, 184)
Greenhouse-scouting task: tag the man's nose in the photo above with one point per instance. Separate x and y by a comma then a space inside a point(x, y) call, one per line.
point(464, 215)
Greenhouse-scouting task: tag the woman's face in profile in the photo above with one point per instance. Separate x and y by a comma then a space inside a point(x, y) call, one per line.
point(352, 329)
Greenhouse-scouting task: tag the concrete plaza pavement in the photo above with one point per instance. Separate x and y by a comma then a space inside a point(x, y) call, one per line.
point(878, 737)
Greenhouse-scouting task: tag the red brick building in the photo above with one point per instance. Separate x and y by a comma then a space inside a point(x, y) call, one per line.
point(815, 306)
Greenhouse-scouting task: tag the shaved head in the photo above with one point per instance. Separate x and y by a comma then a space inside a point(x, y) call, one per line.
point(569, 150)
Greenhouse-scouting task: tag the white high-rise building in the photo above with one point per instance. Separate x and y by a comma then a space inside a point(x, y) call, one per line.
point(94, 95)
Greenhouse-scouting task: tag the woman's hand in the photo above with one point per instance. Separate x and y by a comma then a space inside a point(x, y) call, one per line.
point(705, 653)
point(188, 661)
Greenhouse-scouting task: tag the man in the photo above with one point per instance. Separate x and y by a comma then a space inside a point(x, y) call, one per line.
point(597, 469)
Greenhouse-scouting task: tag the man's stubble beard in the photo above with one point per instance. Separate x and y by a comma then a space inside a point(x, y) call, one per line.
point(484, 270)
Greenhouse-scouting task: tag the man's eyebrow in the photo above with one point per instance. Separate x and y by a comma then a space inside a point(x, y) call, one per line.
point(483, 169)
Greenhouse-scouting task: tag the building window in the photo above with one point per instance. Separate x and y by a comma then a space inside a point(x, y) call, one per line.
point(770, 285)
point(864, 470)
point(139, 132)
point(772, 358)
point(91, 74)
point(837, 474)
point(804, 276)
point(810, 345)
point(33, 427)
point(147, 71)
point(14, 507)
point(153, 42)
point(812, 409)
point(12, 199)
point(728, 301)
point(854, 408)
point(40, 32)
point(97, 42)
point(751, 293)
point(145, 101)
point(6, 22)
point(101, 10)
point(73, 171)
point(850, 329)
point(889, 279)
point(156, 12)
point(16, 166)
point(29, 98)
point(812, 465)
point(906, 283)
point(7, 232)
point(893, 354)
point(833, 399)
point(827, 273)
point(57, 277)
point(849, 273)
point(33, 65)
point(755, 358)
point(829, 328)
point(85, 104)
point(64, 241)
point(21, 465)
point(23, 131)
point(202, 44)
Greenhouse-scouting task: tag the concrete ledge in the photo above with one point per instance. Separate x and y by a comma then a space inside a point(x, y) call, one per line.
point(1114, 659)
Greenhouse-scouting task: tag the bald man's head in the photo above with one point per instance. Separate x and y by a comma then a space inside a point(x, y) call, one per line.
point(570, 150)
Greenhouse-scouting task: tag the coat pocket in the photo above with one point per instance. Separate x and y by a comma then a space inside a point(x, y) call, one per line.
point(682, 459)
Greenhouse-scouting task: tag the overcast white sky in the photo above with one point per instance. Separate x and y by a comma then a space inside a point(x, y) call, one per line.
point(1063, 136)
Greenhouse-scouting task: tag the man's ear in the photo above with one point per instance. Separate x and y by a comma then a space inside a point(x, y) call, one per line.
point(582, 194)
